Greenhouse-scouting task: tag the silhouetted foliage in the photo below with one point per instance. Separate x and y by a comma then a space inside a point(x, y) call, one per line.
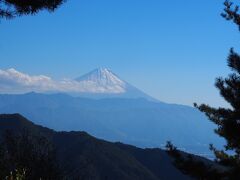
point(191, 165)
point(14, 8)
point(28, 155)
point(172, 150)
point(226, 119)
point(231, 12)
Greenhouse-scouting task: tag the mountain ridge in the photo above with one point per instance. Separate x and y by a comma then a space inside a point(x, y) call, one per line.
point(80, 154)
point(138, 122)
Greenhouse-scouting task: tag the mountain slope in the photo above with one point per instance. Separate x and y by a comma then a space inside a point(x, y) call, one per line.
point(103, 83)
point(81, 155)
point(105, 80)
point(134, 121)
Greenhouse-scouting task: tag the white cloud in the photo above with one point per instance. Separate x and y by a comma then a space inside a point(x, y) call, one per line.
point(13, 81)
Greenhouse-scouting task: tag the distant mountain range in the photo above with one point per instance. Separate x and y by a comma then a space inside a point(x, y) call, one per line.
point(135, 121)
point(82, 156)
point(107, 107)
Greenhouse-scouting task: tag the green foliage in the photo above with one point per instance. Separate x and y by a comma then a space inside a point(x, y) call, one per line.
point(27, 157)
point(17, 175)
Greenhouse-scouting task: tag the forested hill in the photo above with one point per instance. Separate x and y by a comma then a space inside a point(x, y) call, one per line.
point(80, 155)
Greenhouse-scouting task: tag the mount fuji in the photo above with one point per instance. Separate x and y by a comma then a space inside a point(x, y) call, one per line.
point(114, 110)
point(103, 83)
point(97, 84)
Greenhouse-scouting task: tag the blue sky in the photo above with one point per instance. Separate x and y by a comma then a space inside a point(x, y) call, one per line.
point(172, 50)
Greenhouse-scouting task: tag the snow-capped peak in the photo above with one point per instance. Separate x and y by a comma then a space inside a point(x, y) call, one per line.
point(99, 83)
point(102, 80)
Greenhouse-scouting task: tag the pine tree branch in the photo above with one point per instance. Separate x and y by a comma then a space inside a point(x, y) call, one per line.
point(13, 8)
point(231, 12)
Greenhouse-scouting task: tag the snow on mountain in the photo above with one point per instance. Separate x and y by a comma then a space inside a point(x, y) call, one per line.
point(102, 80)
point(99, 83)
point(103, 83)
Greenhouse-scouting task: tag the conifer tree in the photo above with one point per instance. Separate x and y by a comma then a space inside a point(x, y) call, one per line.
point(228, 119)
point(13, 8)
